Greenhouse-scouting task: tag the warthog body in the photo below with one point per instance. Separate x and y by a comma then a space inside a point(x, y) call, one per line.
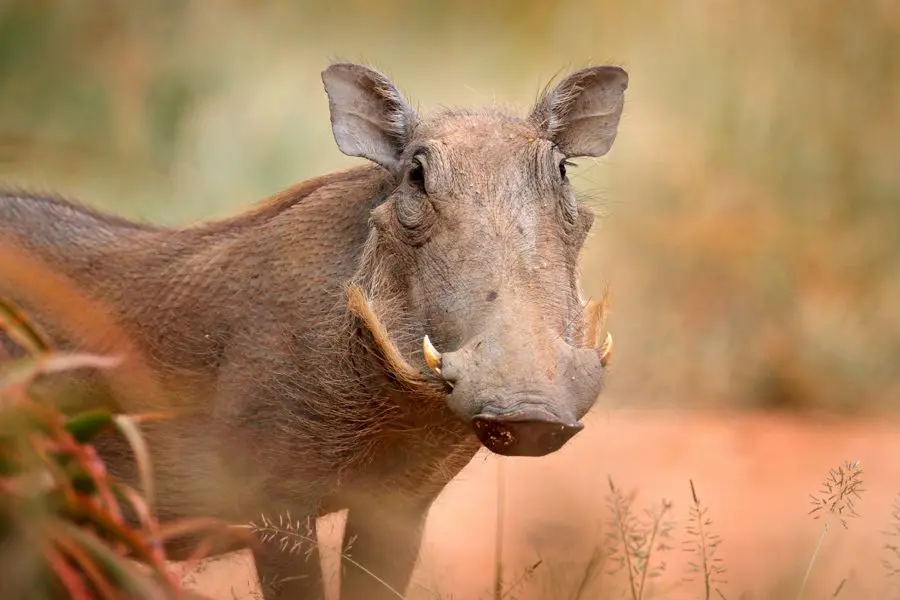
point(294, 335)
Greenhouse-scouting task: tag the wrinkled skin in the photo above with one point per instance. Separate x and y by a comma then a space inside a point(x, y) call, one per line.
point(484, 230)
point(295, 333)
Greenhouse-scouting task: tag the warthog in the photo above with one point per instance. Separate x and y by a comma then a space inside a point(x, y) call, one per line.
point(351, 342)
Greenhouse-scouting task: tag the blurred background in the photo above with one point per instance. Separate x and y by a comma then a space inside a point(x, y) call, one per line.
point(750, 230)
point(751, 204)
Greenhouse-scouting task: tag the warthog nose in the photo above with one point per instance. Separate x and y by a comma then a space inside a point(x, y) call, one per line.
point(523, 437)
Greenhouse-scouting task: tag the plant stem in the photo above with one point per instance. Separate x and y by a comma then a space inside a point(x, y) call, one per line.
point(705, 552)
point(623, 534)
point(649, 554)
point(498, 533)
point(296, 534)
point(812, 559)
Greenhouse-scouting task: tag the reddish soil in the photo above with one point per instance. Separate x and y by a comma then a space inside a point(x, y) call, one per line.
point(755, 473)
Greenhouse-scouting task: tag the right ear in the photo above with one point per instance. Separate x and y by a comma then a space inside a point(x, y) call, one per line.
point(370, 118)
point(581, 114)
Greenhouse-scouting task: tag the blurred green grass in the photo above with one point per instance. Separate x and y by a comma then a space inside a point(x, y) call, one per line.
point(751, 203)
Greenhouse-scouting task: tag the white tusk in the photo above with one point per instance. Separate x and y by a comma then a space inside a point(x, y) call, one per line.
point(605, 349)
point(432, 356)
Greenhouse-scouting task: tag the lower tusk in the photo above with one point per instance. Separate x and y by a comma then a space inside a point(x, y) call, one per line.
point(605, 349)
point(432, 356)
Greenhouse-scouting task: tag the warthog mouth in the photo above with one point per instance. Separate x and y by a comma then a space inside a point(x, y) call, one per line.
point(518, 436)
point(532, 432)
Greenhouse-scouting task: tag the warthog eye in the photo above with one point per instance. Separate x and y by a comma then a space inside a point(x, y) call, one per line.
point(416, 173)
point(562, 167)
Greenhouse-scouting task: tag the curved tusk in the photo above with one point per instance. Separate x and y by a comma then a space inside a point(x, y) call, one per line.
point(605, 349)
point(432, 356)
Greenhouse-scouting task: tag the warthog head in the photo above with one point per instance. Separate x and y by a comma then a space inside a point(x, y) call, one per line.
point(478, 242)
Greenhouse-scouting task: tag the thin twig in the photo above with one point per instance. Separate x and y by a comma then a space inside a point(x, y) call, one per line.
point(498, 531)
point(812, 559)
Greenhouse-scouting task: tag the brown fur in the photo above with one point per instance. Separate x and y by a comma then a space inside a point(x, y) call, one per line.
point(395, 364)
point(289, 337)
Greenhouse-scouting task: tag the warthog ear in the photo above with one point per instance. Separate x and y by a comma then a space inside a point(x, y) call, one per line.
point(369, 116)
point(581, 114)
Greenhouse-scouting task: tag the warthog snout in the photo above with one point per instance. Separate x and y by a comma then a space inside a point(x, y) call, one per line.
point(524, 395)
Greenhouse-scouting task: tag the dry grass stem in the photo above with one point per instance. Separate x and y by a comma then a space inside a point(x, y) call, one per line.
point(293, 536)
point(591, 571)
point(498, 532)
point(633, 541)
point(836, 499)
point(704, 545)
point(892, 562)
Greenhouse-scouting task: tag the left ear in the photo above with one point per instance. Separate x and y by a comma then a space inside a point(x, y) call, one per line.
point(369, 116)
point(581, 114)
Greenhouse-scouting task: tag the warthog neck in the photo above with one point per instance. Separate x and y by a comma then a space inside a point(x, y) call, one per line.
point(246, 318)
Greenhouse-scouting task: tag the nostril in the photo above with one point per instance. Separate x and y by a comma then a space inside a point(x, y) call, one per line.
point(449, 382)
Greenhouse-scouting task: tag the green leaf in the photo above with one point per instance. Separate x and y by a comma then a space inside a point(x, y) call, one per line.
point(83, 482)
point(86, 425)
